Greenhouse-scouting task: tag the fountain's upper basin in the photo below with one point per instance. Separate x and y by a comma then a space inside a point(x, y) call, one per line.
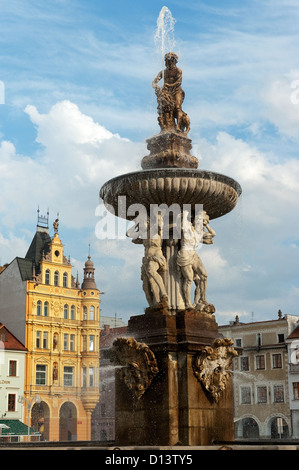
point(218, 193)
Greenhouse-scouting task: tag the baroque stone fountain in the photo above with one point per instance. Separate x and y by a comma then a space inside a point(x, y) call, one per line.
point(174, 384)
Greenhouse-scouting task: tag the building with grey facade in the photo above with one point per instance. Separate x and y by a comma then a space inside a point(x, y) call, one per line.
point(262, 404)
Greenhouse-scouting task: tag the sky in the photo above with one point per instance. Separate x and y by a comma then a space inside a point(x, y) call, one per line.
point(77, 105)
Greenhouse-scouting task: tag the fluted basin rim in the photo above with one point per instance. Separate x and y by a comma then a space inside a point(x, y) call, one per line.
point(177, 172)
point(217, 192)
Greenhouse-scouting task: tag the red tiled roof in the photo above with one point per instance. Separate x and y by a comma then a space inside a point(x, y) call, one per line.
point(9, 341)
point(294, 334)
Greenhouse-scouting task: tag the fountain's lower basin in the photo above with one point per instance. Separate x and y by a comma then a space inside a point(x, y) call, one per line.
point(218, 193)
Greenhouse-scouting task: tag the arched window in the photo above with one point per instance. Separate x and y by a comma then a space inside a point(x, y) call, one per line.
point(46, 309)
point(91, 312)
point(73, 312)
point(56, 278)
point(84, 313)
point(47, 276)
point(39, 307)
point(66, 311)
point(64, 279)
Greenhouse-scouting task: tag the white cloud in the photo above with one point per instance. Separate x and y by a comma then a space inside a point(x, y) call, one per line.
point(282, 104)
point(11, 247)
point(77, 156)
point(66, 124)
point(269, 185)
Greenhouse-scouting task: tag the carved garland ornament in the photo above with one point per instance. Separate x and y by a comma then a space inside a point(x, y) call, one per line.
point(139, 365)
point(211, 366)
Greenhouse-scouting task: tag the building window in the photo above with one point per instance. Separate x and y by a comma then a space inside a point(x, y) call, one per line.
point(276, 361)
point(73, 310)
point(41, 374)
point(260, 362)
point(12, 368)
point(64, 279)
point(295, 390)
point(91, 343)
point(56, 278)
point(238, 343)
point(72, 342)
point(261, 394)
point(45, 340)
point(91, 312)
point(65, 341)
point(244, 363)
point(84, 343)
point(11, 402)
point(65, 311)
point(68, 373)
point(38, 339)
point(39, 307)
point(91, 376)
point(46, 309)
point(47, 276)
point(278, 392)
point(280, 338)
point(245, 396)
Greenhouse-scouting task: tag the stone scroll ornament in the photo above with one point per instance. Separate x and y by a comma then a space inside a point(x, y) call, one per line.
point(211, 366)
point(139, 365)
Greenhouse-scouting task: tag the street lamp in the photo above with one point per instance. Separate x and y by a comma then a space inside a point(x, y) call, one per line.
point(29, 401)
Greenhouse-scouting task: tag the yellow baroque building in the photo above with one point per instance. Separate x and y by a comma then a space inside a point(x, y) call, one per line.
point(58, 321)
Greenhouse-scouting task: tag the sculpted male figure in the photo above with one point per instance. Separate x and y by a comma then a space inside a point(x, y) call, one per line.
point(190, 264)
point(171, 96)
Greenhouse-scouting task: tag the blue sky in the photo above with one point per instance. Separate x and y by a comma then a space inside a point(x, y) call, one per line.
point(78, 106)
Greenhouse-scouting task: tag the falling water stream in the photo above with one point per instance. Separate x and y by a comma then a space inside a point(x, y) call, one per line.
point(164, 35)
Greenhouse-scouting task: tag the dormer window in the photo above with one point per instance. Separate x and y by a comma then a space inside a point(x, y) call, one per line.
point(47, 276)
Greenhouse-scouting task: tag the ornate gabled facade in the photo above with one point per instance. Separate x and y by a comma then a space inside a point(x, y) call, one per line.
point(59, 323)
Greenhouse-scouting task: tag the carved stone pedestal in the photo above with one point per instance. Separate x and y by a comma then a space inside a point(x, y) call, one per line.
point(176, 407)
point(169, 150)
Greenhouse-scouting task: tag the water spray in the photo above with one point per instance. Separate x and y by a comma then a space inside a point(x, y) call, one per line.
point(164, 35)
